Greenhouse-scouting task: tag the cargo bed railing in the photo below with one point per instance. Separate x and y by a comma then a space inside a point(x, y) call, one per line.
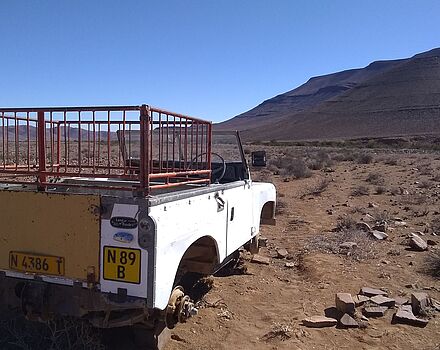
point(137, 148)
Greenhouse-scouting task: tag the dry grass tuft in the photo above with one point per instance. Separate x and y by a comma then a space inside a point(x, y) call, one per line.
point(62, 333)
point(360, 191)
point(432, 265)
point(279, 331)
point(330, 243)
point(317, 188)
point(375, 179)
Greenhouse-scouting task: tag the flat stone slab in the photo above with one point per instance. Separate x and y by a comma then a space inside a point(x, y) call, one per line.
point(344, 303)
point(374, 311)
point(405, 316)
point(383, 301)
point(360, 299)
point(319, 322)
point(379, 235)
point(401, 301)
point(348, 322)
point(371, 292)
point(259, 259)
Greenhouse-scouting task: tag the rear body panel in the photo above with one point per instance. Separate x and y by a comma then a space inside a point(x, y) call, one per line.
point(52, 225)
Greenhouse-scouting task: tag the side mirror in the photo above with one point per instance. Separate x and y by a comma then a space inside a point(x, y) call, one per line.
point(259, 158)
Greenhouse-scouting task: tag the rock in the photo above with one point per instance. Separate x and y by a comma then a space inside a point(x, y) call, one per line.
point(435, 304)
point(289, 265)
point(418, 243)
point(363, 226)
point(259, 259)
point(319, 322)
point(375, 311)
point(371, 292)
point(360, 300)
point(348, 322)
point(400, 223)
point(373, 205)
point(419, 302)
point(348, 245)
point(381, 226)
point(379, 235)
point(431, 242)
point(262, 242)
point(383, 301)
point(405, 316)
point(282, 253)
point(344, 303)
point(401, 301)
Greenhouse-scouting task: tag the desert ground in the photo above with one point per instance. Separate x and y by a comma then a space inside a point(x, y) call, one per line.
point(317, 211)
point(325, 196)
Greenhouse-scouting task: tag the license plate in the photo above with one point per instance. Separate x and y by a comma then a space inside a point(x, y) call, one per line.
point(122, 264)
point(33, 263)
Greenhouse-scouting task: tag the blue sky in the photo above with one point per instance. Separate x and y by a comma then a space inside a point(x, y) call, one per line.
point(211, 59)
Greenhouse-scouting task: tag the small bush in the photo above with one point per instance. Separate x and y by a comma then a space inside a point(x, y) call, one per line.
point(432, 264)
point(345, 222)
point(321, 160)
point(297, 168)
point(360, 191)
point(391, 161)
point(317, 188)
point(289, 166)
point(380, 189)
point(375, 179)
point(365, 158)
point(426, 184)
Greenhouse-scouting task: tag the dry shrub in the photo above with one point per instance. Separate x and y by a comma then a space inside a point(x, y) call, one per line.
point(380, 190)
point(381, 215)
point(264, 175)
point(391, 161)
point(375, 179)
point(414, 199)
point(432, 264)
point(321, 160)
point(291, 167)
point(345, 222)
point(317, 188)
point(63, 333)
point(279, 331)
point(360, 191)
point(364, 158)
point(344, 156)
point(330, 243)
point(425, 184)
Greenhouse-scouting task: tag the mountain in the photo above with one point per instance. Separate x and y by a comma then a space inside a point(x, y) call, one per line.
point(386, 98)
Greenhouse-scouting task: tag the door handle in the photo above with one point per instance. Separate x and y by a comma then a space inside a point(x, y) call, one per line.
point(220, 202)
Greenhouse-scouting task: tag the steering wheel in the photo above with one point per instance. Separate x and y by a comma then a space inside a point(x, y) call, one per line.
point(219, 171)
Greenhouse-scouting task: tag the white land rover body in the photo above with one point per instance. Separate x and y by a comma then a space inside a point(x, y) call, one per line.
point(105, 210)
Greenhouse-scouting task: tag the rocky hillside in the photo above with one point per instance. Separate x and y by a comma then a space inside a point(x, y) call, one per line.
point(386, 98)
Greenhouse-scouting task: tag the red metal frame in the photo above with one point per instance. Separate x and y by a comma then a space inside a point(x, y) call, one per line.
point(145, 147)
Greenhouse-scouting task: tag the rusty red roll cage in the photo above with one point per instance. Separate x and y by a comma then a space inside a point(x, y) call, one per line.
point(137, 148)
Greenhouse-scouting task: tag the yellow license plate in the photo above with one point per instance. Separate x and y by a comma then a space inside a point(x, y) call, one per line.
point(122, 264)
point(33, 263)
